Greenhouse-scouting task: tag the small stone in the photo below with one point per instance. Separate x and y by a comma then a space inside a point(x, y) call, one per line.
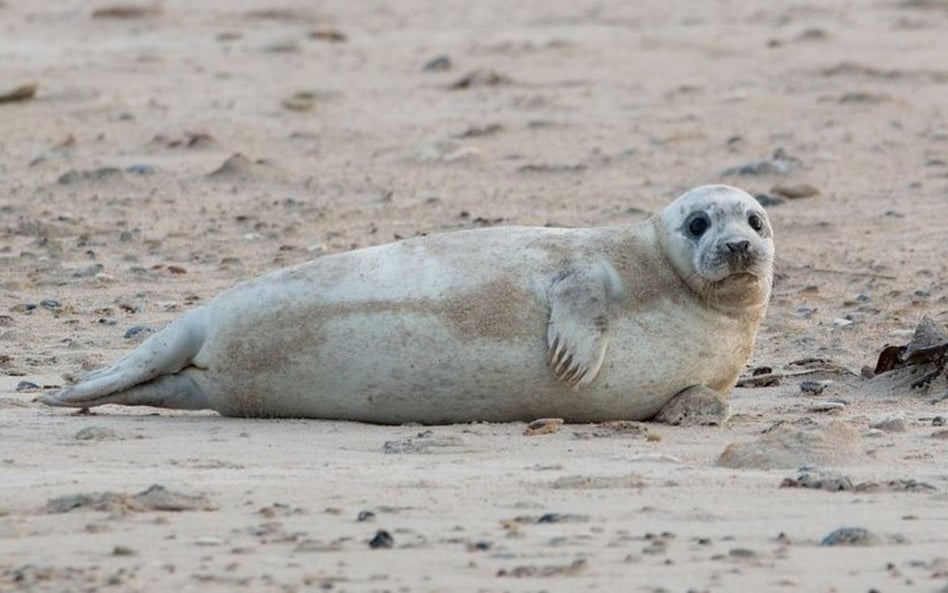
point(208, 540)
point(50, 304)
point(848, 536)
point(795, 191)
point(23, 308)
point(767, 201)
point(382, 540)
point(331, 35)
point(826, 406)
point(140, 169)
point(365, 516)
point(26, 386)
point(840, 322)
point(137, 331)
point(922, 292)
point(438, 64)
point(177, 269)
point(811, 387)
point(741, 553)
point(107, 321)
point(479, 78)
point(939, 421)
point(24, 92)
point(123, 551)
point(543, 426)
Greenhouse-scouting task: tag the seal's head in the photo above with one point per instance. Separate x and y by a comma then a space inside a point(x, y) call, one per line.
point(720, 241)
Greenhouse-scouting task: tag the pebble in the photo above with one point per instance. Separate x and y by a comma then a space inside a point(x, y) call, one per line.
point(26, 386)
point(23, 308)
point(826, 406)
point(811, 387)
point(848, 536)
point(140, 169)
point(840, 322)
point(478, 78)
point(438, 64)
point(766, 200)
point(50, 304)
point(74, 176)
point(939, 421)
point(24, 92)
point(331, 35)
point(136, 330)
point(543, 426)
point(795, 191)
point(208, 540)
point(365, 516)
point(87, 271)
point(778, 164)
point(382, 540)
point(107, 321)
point(123, 551)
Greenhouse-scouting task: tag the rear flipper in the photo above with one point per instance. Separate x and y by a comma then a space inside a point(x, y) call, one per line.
point(179, 391)
point(162, 355)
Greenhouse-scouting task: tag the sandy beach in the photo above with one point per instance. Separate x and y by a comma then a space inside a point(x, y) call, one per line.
point(155, 154)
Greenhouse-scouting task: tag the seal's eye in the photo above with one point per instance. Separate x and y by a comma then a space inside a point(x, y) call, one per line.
point(699, 224)
point(755, 222)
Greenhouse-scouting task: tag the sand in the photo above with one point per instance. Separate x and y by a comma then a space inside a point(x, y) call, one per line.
point(122, 204)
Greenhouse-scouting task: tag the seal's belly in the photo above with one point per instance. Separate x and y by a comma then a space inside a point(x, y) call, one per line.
point(394, 366)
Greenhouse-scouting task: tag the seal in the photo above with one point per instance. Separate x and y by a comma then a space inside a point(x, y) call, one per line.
point(497, 324)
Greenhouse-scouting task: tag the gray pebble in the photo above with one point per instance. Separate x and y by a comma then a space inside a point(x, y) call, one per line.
point(938, 421)
point(140, 169)
point(811, 387)
point(848, 536)
point(26, 386)
point(365, 516)
point(766, 200)
point(74, 176)
point(107, 321)
point(134, 331)
point(382, 540)
point(438, 64)
point(50, 304)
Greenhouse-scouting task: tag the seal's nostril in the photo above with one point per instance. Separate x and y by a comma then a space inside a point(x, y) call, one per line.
point(738, 246)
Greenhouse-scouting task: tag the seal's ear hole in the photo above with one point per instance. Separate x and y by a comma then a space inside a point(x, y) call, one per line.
point(755, 222)
point(698, 224)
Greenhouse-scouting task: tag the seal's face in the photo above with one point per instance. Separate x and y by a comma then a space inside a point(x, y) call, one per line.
point(720, 240)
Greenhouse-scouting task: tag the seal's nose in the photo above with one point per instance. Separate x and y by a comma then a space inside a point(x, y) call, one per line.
point(738, 247)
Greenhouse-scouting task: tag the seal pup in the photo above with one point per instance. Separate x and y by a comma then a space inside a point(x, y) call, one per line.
point(497, 324)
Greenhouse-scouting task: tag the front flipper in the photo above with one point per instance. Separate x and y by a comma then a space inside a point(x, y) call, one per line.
point(695, 406)
point(578, 332)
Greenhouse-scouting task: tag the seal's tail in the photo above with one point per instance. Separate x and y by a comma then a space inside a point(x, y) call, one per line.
point(165, 353)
